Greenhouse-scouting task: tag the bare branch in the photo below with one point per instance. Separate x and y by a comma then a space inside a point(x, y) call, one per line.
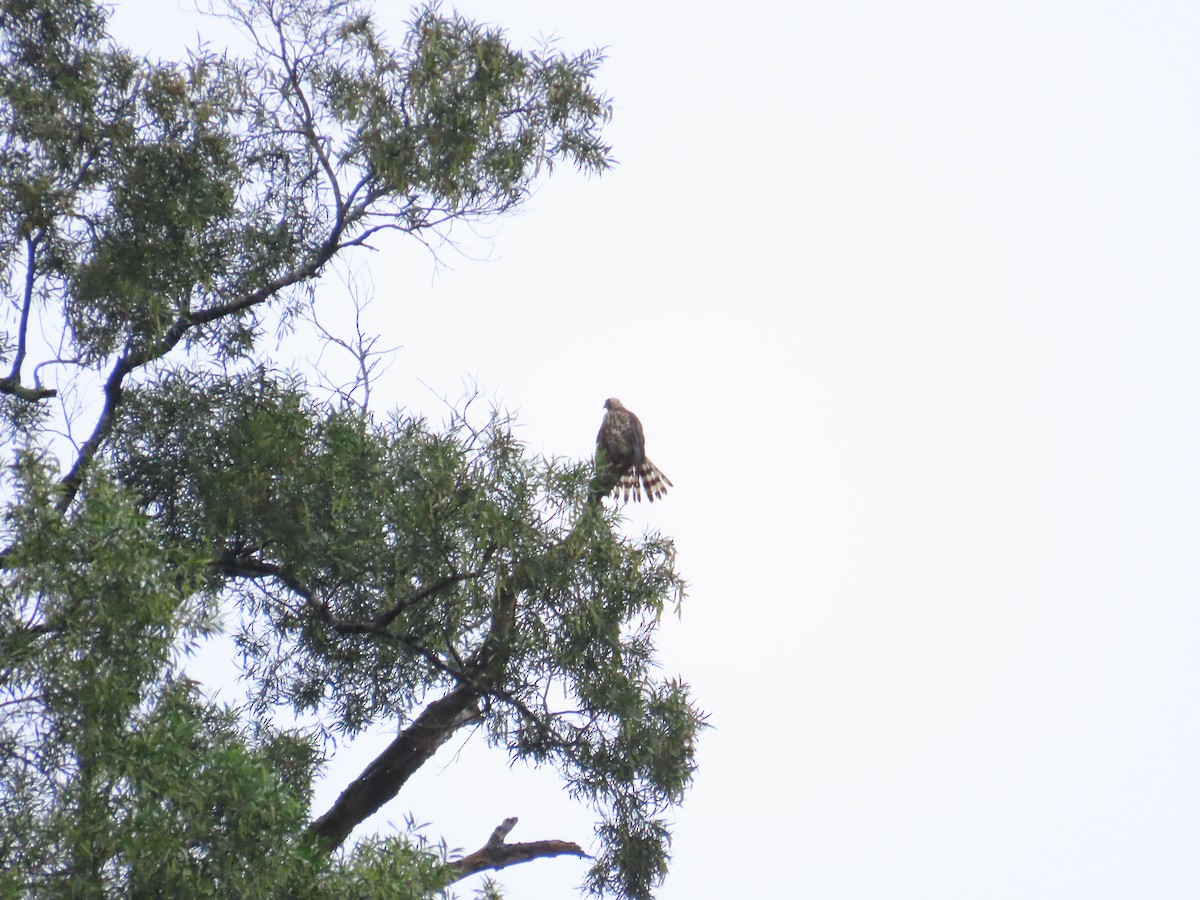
point(73, 480)
point(388, 772)
point(361, 348)
point(11, 383)
point(31, 243)
point(496, 854)
point(56, 361)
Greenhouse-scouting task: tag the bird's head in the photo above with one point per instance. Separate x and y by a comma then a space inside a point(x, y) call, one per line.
point(613, 403)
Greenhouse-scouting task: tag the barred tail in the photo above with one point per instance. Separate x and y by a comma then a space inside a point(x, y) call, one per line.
point(646, 477)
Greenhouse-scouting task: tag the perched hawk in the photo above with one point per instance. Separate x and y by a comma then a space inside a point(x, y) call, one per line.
point(621, 464)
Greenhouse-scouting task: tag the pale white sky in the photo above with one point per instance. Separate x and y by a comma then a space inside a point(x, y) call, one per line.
point(906, 297)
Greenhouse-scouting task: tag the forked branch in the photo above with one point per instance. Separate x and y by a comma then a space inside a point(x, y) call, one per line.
point(496, 854)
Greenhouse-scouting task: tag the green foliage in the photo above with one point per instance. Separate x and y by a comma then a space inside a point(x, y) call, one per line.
point(154, 218)
point(165, 792)
point(403, 867)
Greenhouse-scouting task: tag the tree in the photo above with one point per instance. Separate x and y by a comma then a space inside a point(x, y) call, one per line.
point(169, 481)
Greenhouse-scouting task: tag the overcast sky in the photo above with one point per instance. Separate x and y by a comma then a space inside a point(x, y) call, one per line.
point(905, 295)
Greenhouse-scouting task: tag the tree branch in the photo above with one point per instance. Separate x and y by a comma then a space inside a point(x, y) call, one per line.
point(135, 358)
point(496, 854)
point(386, 618)
point(31, 243)
point(11, 383)
point(249, 567)
point(387, 773)
point(309, 131)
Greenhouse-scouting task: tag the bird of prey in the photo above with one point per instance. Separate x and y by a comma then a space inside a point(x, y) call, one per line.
point(621, 464)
